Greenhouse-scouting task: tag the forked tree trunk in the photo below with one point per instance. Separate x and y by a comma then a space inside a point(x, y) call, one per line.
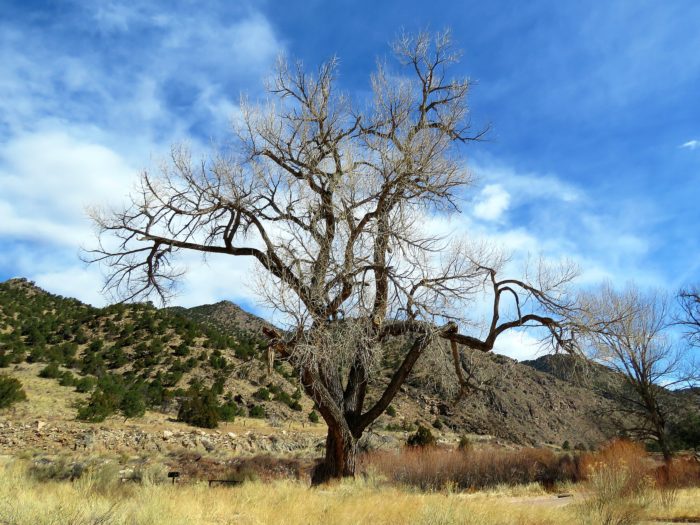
point(343, 412)
point(341, 455)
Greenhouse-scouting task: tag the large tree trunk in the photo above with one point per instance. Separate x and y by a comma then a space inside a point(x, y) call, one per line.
point(665, 447)
point(341, 454)
point(342, 411)
point(325, 389)
point(664, 473)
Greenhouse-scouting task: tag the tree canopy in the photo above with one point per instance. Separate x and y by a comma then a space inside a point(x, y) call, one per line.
point(337, 202)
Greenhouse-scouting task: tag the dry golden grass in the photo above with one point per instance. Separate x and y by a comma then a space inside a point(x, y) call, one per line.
point(96, 499)
point(46, 399)
point(685, 507)
point(99, 498)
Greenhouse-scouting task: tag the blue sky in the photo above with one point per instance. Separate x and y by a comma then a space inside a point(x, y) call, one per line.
point(594, 151)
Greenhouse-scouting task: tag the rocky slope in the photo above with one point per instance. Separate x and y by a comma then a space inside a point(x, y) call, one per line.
point(517, 402)
point(161, 352)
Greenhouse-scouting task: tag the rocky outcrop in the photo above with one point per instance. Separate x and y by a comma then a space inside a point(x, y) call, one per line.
point(50, 438)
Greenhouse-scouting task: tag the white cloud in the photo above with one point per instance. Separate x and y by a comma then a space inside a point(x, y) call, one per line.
point(215, 278)
point(72, 281)
point(691, 144)
point(493, 202)
point(48, 178)
point(113, 17)
point(518, 345)
point(170, 56)
point(552, 217)
point(253, 41)
point(246, 46)
point(527, 186)
point(78, 128)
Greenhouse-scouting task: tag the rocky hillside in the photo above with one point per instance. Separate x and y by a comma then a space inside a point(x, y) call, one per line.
point(682, 405)
point(516, 402)
point(159, 357)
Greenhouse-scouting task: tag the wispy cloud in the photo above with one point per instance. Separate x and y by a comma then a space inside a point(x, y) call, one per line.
point(524, 186)
point(47, 178)
point(519, 345)
point(691, 144)
point(492, 203)
point(84, 108)
point(159, 73)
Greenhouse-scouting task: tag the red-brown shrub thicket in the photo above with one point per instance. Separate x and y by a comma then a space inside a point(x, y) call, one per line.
point(433, 468)
point(683, 471)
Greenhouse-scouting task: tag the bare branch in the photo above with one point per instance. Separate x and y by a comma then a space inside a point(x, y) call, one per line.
point(334, 205)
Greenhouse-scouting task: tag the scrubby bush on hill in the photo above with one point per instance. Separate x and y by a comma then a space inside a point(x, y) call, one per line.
point(229, 410)
point(98, 408)
point(50, 371)
point(199, 408)
point(422, 438)
point(262, 394)
point(217, 361)
point(403, 426)
point(113, 393)
point(67, 379)
point(281, 396)
point(11, 391)
point(132, 404)
point(257, 411)
point(685, 432)
point(85, 384)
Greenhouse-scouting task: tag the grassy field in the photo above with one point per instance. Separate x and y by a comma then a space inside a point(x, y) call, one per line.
point(431, 486)
point(100, 498)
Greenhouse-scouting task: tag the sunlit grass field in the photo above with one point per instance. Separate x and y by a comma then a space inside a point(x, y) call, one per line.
point(100, 498)
point(96, 499)
point(410, 486)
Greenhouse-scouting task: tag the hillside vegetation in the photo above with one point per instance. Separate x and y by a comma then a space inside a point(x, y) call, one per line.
point(135, 357)
point(204, 366)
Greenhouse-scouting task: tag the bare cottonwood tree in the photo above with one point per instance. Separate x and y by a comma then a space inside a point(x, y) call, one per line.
point(689, 317)
point(335, 205)
point(633, 339)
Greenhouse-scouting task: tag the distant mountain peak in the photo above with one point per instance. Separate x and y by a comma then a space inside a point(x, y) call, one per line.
point(227, 315)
